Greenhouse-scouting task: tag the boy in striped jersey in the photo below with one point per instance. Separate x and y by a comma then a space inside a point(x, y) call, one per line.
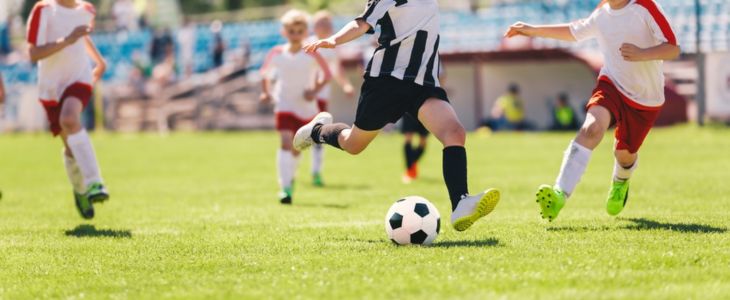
point(634, 37)
point(402, 78)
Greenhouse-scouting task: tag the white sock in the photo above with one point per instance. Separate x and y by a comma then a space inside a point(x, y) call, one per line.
point(286, 162)
point(574, 165)
point(622, 174)
point(74, 174)
point(317, 158)
point(83, 152)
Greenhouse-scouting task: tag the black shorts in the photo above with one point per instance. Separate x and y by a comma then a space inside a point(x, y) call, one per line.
point(411, 124)
point(386, 99)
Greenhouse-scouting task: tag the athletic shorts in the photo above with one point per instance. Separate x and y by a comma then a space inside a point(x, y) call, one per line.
point(632, 122)
point(286, 121)
point(385, 100)
point(411, 124)
point(322, 105)
point(81, 91)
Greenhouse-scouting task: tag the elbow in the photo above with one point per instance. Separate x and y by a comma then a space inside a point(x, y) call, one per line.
point(33, 56)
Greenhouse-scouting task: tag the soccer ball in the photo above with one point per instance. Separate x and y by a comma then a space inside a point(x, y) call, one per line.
point(413, 220)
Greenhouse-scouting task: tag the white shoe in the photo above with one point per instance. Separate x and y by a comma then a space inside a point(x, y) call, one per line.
point(303, 137)
point(472, 208)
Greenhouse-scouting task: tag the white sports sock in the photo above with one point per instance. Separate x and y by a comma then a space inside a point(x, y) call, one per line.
point(622, 174)
point(83, 152)
point(317, 158)
point(574, 165)
point(74, 174)
point(285, 161)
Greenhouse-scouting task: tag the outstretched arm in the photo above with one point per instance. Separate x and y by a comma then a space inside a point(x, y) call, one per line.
point(665, 51)
point(351, 31)
point(37, 53)
point(558, 32)
point(100, 63)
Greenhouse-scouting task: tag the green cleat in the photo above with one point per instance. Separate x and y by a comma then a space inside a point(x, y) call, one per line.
point(84, 206)
point(617, 197)
point(285, 196)
point(317, 180)
point(551, 200)
point(96, 193)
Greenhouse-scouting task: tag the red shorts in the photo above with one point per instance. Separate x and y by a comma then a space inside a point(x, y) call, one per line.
point(81, 91)
point(633, 121)
point(322, 105)
point(286, 121)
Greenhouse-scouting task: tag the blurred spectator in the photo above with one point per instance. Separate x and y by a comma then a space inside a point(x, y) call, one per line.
point(163, 74)
point(2, 89)
point(564, 116)
point(219, 46)
point(5, 46)
point(124, 15)
point(508, 112)
point(160, 43)
point(186, 44)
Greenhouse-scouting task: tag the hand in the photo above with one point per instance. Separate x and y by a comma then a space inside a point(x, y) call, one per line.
point(518, 29)
point(98, 72)
point(631, 52)
point(349, 90)
point(328, 43)
point(265, 98)
point(310, 95)
point(78, 33)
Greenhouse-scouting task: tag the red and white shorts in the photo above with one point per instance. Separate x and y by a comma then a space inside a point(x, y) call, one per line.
point(286, 121)
point(81, 91)
point(633, 121)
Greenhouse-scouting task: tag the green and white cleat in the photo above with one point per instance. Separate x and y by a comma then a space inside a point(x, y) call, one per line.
point(285, 196)
point(84, 206)
point(472, 208)
point(551, 201)
point(317, 180)
point(97, 193)
point(617, 197)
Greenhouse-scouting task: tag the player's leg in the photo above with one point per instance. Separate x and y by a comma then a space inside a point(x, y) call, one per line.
point(352, 140)
point(287, 160)
point(409, 155)
point(440, 119)
point(576, 158)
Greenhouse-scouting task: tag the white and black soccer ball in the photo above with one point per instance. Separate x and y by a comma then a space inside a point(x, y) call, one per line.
point(413, 220)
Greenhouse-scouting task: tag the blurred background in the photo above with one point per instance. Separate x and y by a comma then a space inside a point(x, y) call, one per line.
point(193, 64)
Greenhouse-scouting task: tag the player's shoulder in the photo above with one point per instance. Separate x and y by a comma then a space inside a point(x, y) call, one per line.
point(87, 6)
point(650, 6)
point(41, 5)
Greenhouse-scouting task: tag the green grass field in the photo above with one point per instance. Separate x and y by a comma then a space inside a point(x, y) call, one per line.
point(195, 216)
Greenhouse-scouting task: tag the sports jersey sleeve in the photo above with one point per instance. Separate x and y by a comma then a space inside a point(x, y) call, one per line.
point(38, 25)
point(586, 28)
point(657, 22)
point(374, 11)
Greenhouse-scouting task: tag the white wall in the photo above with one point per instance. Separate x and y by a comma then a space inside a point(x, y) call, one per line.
point(718, 85)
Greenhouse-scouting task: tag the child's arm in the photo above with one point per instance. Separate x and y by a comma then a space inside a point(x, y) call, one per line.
point(664, 51)
point(99, 61)
point(265, 95)
point(37, 53)
point(351, 31)
point(320, 83)
point(342, 79)
point(558, 32)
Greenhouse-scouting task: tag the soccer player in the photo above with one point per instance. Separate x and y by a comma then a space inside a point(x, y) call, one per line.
point(58, 39)
point(634, 37)
point(323, 28)
point(402, 77)
point(296, 83)
point(411, 127)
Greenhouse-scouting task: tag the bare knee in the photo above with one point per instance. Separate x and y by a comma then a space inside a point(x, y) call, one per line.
point(455, 135)
point(592, 132)
point(70, 123)
point(625, 158)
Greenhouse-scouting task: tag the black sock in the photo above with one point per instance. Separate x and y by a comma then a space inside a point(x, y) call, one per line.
point(454, 165)
point(418, 153)
point(409, 155)
point(328, 134)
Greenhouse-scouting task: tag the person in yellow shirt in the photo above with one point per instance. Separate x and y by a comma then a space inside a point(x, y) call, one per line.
point(564, 116)
point(508, 112)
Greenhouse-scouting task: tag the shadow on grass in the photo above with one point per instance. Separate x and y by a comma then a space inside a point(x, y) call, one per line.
point(646, 224)
point(490, 242)
point(86, 231)
point(324, 205)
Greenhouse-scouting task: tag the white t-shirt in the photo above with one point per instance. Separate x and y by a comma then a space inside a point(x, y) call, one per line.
point(642, 23)
point(49, 22)
point(293, 73)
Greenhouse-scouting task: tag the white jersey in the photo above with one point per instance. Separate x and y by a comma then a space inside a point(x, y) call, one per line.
point(330, 57)
point(293, 73)
point(642, 23)
point(49, 22)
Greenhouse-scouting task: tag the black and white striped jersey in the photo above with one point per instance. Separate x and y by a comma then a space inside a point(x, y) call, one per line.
point(409, 40)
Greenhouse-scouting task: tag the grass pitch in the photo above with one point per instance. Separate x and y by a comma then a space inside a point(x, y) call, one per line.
point(195, 216)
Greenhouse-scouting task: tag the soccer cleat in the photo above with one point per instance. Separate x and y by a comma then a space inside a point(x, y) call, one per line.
point(285, 197)
point(472, 208)
point(303, 137)
point(317, 180)
point(84, 206)
point(97, 193)
point(551, 201)
point(617, 197)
